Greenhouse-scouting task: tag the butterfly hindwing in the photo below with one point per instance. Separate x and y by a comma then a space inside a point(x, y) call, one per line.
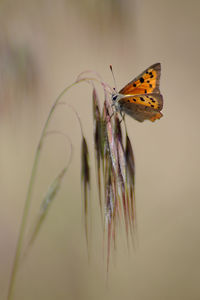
point(152, 100)
point(142, 107)
point(147, 82)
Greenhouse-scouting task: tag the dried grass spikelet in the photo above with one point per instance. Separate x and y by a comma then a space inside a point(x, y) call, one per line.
point(130, 173)
point(50, 195)
point(118, 176)
point(97, 142)
point(85, 179)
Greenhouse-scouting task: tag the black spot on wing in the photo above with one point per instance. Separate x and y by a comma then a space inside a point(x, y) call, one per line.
point(141, 79)
point(151, 74)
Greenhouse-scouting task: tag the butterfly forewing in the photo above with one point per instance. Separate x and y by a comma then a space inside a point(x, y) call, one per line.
point(147, 82)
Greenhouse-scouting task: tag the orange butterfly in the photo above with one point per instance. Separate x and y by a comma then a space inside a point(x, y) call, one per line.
point(141, 98)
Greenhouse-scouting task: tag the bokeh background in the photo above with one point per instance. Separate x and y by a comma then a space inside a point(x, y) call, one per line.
point(44, 45)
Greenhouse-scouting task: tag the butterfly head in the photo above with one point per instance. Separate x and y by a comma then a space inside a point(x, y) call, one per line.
point(116, 97)
point(115, 101)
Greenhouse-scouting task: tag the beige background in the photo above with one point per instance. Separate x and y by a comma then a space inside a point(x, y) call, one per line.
point(44, 45)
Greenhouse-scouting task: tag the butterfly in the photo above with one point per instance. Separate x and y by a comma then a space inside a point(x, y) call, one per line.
point(141, 98)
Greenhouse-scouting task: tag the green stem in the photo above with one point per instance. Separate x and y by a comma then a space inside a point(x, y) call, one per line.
point(29, 193)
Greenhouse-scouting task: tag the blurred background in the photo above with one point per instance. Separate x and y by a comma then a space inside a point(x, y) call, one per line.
point(44, 45)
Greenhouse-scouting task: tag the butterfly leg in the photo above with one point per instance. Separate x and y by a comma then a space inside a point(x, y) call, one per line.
point(113, 110)
point(112, 115)
point(122, 115)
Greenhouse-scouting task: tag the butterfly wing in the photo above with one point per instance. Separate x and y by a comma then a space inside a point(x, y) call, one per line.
point(142, 107)
point(147, 82)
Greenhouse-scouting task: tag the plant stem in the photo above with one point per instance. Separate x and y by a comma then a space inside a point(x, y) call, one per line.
point(27, 205)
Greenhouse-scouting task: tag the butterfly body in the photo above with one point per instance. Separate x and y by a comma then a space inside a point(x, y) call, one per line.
point(141, 98)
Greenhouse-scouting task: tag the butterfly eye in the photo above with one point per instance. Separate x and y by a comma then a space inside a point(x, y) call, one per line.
point(114, 97)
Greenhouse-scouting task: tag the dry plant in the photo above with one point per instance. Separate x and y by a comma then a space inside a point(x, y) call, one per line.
point(115, 171)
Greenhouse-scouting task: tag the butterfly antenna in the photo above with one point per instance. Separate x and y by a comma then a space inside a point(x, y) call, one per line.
point(115, 88)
